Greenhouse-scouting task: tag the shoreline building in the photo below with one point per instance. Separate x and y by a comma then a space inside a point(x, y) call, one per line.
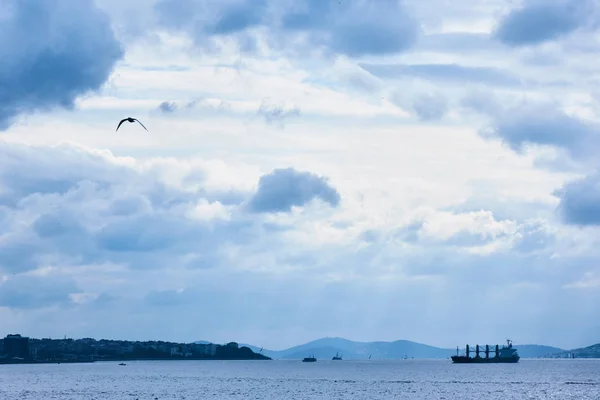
point(16, 346)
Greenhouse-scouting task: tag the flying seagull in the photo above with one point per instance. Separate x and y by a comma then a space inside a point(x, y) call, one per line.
point(130, 120)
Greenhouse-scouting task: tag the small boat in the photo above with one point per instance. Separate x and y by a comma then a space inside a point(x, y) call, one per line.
point(122, 364)
point(337, 356)
point(309, 359)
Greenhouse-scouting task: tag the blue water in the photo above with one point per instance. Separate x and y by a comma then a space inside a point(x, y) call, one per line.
point(401, 379)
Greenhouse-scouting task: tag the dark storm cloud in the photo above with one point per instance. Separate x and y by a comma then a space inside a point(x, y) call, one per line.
point(52, 53)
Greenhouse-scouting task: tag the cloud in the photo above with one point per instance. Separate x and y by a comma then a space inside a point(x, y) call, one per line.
point(95, 244)
point(238, 16)
point(133, 241)
point(351, 28)
point(355, 28)
point(426, 105)
point(168, 297)
point(462, 230)
point(167, 107)
point(92, 208)
point(344, 72)
point(29, 173)
point(214, 105)
point(212, 17)
point(482, 101)
point(57, 52)
point(537, 21)
point(534, 236)
point(575, 141)
point(283, 189)
point(36, 291)
point(430, 107)
point(580, 201)
point(277, 113)
point(544, 124)
point(443, 73)
point(452, 42)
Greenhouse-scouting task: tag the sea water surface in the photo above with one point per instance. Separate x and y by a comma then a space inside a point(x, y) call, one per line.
point(398, 379)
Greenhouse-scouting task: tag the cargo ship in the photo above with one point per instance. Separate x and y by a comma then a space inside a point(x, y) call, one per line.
point(506, 354)
point(309, 359)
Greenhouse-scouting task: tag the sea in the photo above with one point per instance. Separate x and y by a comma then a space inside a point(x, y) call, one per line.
point(325, 379)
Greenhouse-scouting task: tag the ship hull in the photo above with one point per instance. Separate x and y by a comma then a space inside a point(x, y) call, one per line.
point(483, 360)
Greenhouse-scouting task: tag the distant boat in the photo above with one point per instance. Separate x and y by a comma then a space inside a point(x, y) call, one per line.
point(369, 356)
point(309, 359)
point(337, 356)
point(122, 364)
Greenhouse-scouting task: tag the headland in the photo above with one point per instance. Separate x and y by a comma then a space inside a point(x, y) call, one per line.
point(17, 349)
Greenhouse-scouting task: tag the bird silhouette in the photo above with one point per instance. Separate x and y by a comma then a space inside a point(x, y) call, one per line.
point(129, 119)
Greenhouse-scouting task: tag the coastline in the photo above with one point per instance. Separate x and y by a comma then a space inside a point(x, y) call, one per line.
point(17, 349)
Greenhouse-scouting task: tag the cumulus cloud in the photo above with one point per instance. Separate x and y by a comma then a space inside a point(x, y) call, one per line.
point(54, 52)
point(351, 28)
point(93, 208)
point(544, 124)
point(283, 189)
point(90, 208)
point(462, 230)
point(537, 21)
point(574, 139)
point(78, 248)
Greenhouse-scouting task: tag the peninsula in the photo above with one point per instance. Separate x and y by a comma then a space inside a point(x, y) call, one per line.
point(17, 349)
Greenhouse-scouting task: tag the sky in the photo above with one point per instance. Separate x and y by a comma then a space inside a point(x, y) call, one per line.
point(374, 170)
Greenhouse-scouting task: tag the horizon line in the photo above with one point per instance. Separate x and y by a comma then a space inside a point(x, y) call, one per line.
point(65, 337)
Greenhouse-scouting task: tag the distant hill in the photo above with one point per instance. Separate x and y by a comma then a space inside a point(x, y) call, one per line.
point(327, 347)
point(536, 350)
point(592, 351)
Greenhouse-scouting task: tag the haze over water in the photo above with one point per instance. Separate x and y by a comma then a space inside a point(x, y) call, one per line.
point(405, 379)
